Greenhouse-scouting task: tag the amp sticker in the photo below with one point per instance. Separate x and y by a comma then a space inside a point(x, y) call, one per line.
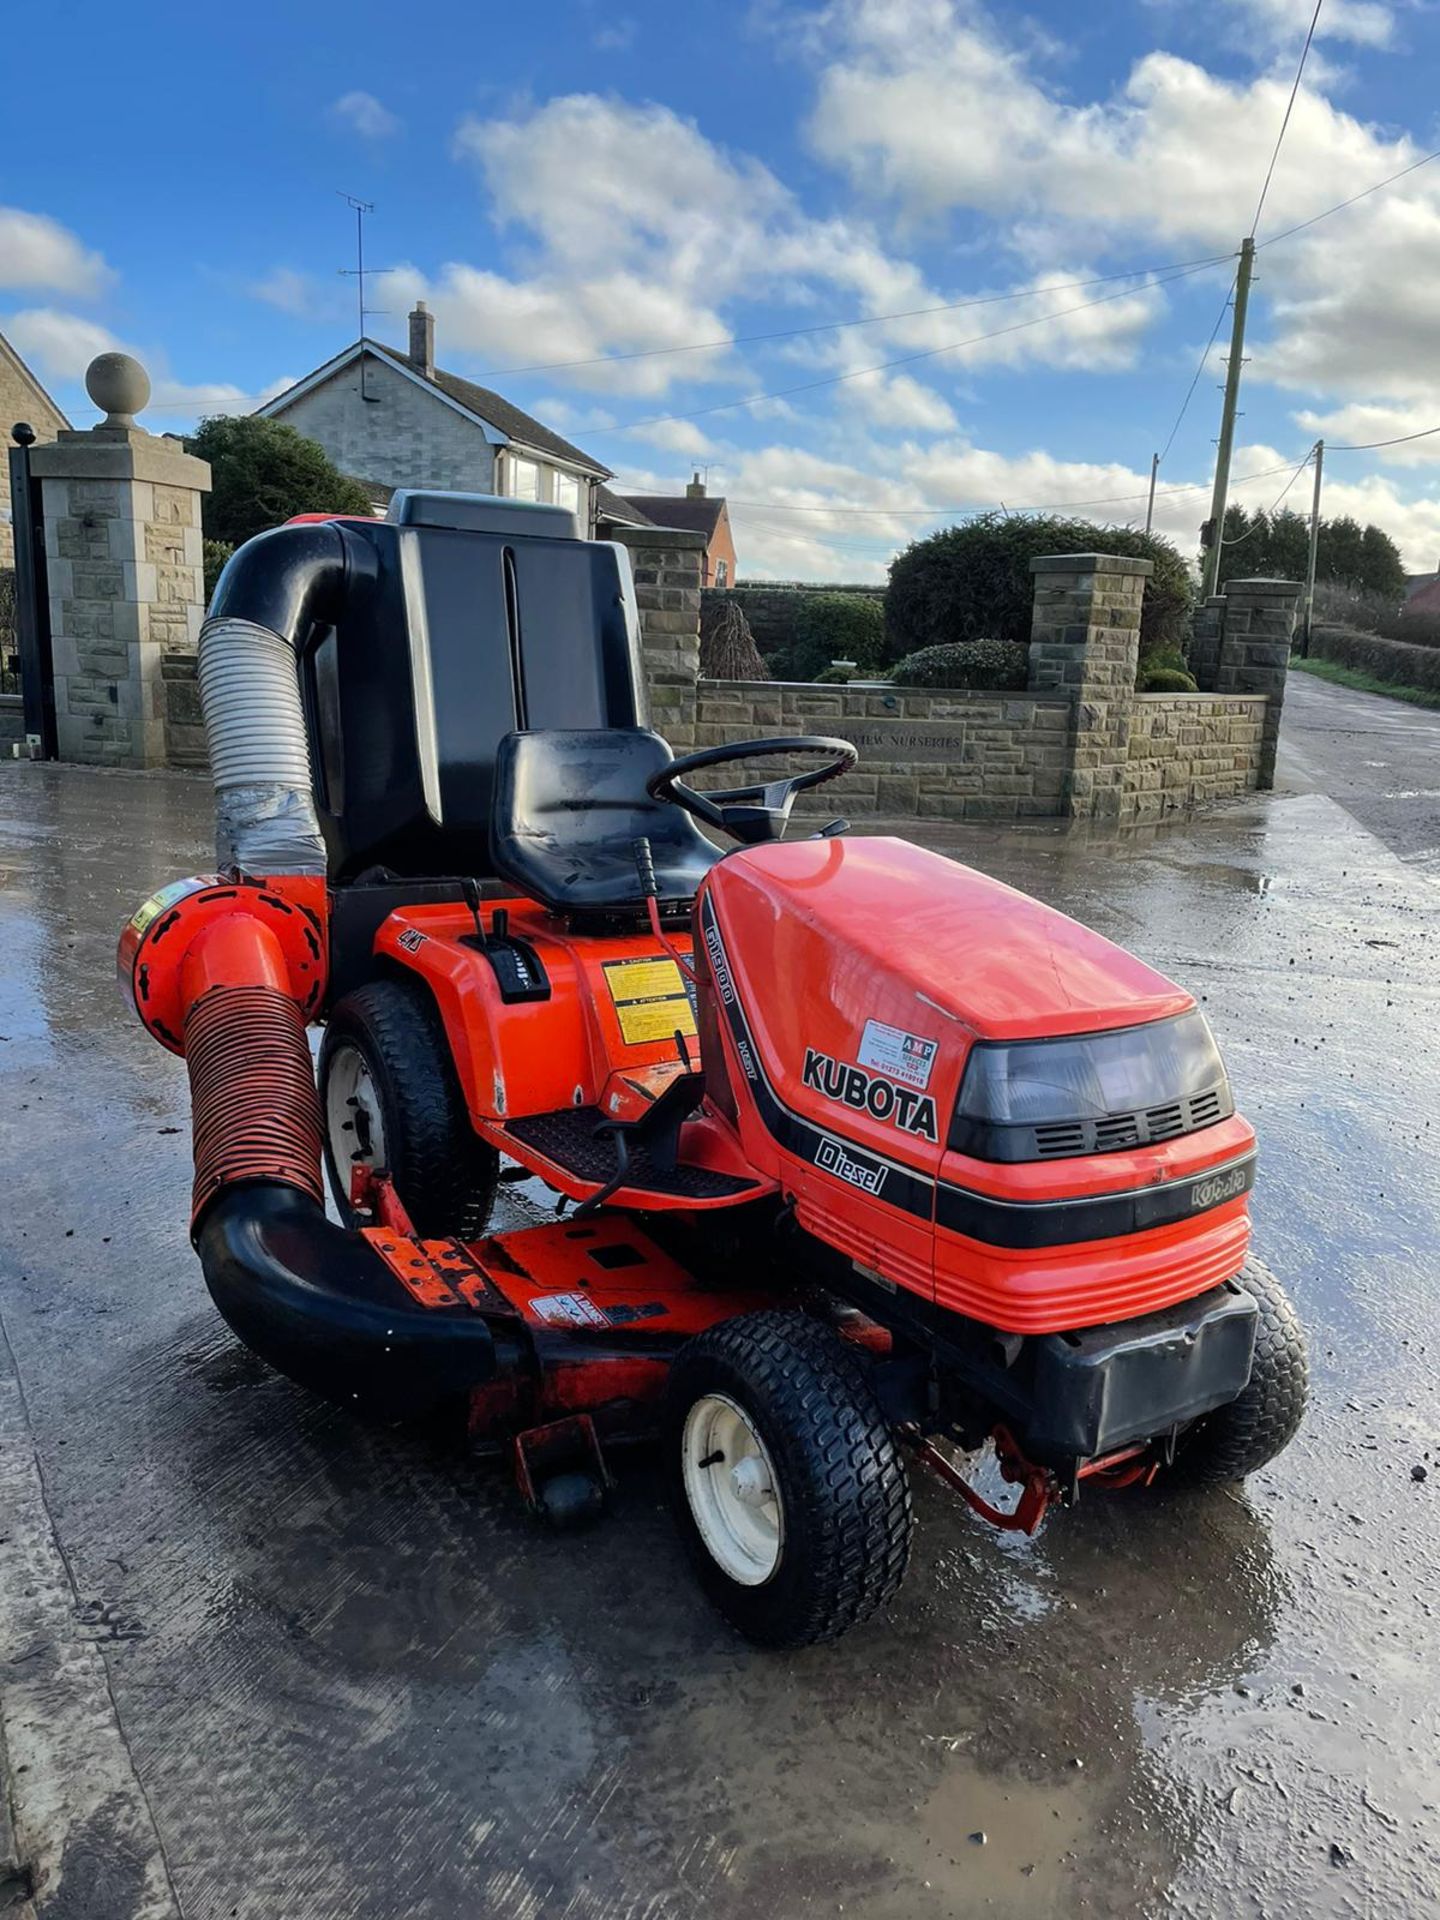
point(903, 1056)
point(650, 1000)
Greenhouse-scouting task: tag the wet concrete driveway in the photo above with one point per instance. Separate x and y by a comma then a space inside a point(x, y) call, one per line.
point(350, 1679)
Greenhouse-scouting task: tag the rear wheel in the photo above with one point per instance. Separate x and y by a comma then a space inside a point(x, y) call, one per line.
point(1240, 1437)
point(784, 1478)
point(390, 1099)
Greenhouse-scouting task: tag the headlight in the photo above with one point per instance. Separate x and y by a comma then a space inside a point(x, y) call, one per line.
point(1090, 1093)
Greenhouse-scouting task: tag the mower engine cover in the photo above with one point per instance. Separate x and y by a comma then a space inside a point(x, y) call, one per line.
point(974, 1097)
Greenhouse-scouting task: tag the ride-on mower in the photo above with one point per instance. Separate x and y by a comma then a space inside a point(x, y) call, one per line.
point(859, 1154)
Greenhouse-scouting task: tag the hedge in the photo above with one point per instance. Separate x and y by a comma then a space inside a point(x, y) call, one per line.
point(989, 665)
point(1397, 661)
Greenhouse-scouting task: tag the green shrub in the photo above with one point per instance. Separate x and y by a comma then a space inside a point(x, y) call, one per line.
point(1167, 680)
point(837, 676)
point(1342, 606)
point(215, 553)
point(1393, 660)
point(966, 582)
point(833, 626)
point(982, 663)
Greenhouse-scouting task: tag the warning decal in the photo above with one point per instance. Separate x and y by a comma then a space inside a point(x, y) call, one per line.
point(650, 1000)
point(567, 1310)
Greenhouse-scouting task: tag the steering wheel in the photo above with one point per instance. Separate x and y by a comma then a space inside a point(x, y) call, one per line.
point(757, 813)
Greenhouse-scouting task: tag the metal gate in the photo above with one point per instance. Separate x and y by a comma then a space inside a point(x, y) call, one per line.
point(26, 664)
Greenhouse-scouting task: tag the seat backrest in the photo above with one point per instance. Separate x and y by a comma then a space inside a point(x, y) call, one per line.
point(570, 805)
point(480, 616)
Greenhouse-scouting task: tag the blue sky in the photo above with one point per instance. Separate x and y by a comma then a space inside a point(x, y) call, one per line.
point(575, 182)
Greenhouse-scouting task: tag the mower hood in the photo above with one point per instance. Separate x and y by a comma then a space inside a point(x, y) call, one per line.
point(868, 915)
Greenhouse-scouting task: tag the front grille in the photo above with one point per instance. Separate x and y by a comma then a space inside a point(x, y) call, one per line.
point(1067, 1139)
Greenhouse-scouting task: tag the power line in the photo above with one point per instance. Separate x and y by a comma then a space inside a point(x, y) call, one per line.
point(885, 366)
point(1274, 508)
point(1103, 500)
point(1341, 205)
point(866, 320)
point(1368, 446)
point(1289, 109)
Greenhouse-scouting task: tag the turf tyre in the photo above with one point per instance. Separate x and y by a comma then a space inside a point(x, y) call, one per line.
point(1242, 1436)
point(444, 1175)
point(844, 1491)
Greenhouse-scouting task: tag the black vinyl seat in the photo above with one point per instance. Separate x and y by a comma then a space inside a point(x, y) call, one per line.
point(569, 805)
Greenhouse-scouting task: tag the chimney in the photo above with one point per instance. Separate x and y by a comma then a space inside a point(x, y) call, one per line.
point(422, 339)
point(696, 489)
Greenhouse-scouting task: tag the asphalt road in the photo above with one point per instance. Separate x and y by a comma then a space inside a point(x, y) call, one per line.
point(1379, 758)
point(258, 1660)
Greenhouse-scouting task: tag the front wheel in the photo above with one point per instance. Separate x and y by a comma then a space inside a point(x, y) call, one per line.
point(1242, 1436)
point(784, 1478)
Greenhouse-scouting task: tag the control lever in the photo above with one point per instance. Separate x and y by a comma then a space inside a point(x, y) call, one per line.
point(645, 868)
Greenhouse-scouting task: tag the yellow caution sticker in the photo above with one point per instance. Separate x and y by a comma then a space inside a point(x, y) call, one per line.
point(650, 1000)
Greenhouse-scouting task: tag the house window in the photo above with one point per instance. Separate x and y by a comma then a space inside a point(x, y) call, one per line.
point(567, 491)
point(524, 479)
point(722, 572)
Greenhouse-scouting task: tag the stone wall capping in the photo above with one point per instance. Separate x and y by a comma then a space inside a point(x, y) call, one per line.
point(1082, 563)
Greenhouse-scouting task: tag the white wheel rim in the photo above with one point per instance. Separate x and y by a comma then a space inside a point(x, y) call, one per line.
point(354, 1119)
point(734, 1495)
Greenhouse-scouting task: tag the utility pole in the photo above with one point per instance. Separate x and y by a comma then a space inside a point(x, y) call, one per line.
point(1150, 507)
point(1227, 416)
point(1314, 550)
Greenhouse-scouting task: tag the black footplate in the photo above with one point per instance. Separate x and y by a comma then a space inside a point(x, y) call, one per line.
point(569, 1138)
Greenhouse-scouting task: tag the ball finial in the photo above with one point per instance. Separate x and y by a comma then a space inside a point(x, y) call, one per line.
point(119, 385)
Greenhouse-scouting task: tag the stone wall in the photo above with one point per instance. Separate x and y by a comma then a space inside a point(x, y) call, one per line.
point(933, 755)
point(668, 565)
point(1190, 749)
point(1080, 742)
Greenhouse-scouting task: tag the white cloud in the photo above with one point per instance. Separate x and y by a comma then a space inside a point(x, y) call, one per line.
point(662, 231)
point(617, 36)
point(899, 402)
point(287, 290)
point(60, 346)
point(37, 252)
point(362, 113)
point(943, 114)
point(1360, 424)
point(1283, 23)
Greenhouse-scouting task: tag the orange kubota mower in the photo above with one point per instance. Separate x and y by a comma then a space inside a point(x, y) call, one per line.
point(858, 1153)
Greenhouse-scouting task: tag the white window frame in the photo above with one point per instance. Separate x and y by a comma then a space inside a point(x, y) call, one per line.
point(567, 490)
point(517, 465)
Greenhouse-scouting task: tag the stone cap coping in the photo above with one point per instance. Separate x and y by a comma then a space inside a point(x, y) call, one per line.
point(1090, 563)
point(130, 455)
point(660, 537)
point(1275, 589)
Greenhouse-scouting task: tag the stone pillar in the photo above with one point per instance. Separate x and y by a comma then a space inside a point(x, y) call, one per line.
point(123, 548)
point(669, 565)
point(1203, 652)
point(1255, 652)
point(1085, 642)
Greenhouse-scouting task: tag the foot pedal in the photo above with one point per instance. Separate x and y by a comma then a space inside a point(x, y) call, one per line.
point(561, 1472)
